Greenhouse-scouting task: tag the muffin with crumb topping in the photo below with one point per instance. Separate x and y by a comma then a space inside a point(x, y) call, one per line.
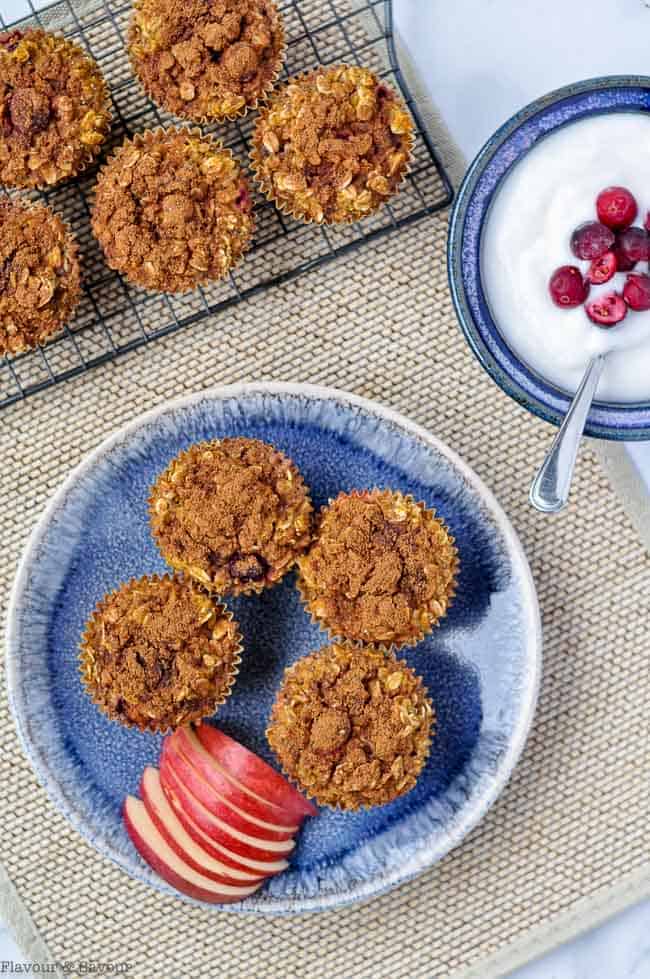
point(158, 652)
point(333, 145)
point(54, 109)
point(352, 726)
point(39, 274)
point(382, 568)
point(172, 210)
point(233, 513)
point(206, 60)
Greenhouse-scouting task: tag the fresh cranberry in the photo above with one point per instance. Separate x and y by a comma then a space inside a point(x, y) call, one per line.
point(647, 222)
point(632, 245)
point(616, 207)
point(591, 240)
point(602, 269)
point(637, 291)
point(607, 310)
point(567, 287)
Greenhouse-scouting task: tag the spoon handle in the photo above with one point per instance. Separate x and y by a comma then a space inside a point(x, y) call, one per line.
point(550, 490)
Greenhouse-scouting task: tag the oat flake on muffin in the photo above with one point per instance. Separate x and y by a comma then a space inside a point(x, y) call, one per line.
point(158, 652)
point(39, 274)
point(382, 568)
point(54, 109)
point(206, 60)
point(172, 210)
point(352, 726)
point(332, 146)
point(234, 514)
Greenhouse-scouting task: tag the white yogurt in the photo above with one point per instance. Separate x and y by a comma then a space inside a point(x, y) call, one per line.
point(548, 194)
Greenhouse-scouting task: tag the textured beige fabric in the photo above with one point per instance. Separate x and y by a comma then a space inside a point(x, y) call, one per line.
point(573, 822)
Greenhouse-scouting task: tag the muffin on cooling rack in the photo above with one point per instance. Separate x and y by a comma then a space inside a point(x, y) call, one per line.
point(234, 514)
point(208, 60)
point(54, 109)
point(352, 726)
point(158, 652)
point(172, 210)
point(382, 568)
point(39, 274)
point(332, 146)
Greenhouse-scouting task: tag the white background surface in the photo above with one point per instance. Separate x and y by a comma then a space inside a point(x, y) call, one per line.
point(482, 60)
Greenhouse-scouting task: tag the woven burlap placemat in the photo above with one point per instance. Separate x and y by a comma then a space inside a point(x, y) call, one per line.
point(571, 830)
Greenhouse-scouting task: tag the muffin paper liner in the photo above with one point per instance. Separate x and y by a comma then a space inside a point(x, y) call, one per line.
point(253, 587)
point(153, 726)
point(384, 646)
point(360, 806)
point(265, 186)
point(74, 254)
point(149, 138)
point(90, 155)
point(204, 120)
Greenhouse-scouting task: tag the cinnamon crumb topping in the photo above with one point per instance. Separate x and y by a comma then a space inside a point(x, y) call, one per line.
point(352, 726)
point(158, 653)
point(234, 514)
point(332, 145)
point(206, 59)
point(382, 568)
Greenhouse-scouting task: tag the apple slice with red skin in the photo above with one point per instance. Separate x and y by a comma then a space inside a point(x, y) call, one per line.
point(155, 850)
point(226, 786)
point(239, 844)
point(190, 776)
point(265, 868)
point(253, 773)
point(172, 830)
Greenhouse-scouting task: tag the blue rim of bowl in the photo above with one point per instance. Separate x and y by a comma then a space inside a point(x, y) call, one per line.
point(504, 149)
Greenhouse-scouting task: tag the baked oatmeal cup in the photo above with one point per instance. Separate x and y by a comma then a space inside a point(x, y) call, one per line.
point(234, 514)
point(54, 109)
point(207, 60)
point(351, 726)
point(39, 275)
point(332, 146)
point(159, 652)
point(172, 210)
point(381, 569)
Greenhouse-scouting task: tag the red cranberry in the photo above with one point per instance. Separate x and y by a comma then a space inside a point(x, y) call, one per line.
point(637, 291)
point(632, 245)
point(243, 200)
point(591, 240)
point(602, 269)
point(567, 287)
point(647, 222)
point(607, 310)
point(616, 207)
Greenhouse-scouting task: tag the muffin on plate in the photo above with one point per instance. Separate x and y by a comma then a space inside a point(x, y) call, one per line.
point(352, 726)
point(382, 568)
point(233, 513)
point(333, 145)
point(206, 60)
point(39, 274)
point(54, 109)
point(158, 652)
point(172, 210)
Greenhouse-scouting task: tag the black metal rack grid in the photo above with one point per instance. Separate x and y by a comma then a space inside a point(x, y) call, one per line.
point(114, 317)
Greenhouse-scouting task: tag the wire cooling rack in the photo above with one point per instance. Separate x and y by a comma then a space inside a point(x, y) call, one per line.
point(114, 317)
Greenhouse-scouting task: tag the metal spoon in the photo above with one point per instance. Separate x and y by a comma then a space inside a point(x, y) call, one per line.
point(550, 490)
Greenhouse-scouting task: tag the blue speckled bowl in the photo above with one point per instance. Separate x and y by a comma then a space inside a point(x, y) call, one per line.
point(481, 667)
point(619, 93)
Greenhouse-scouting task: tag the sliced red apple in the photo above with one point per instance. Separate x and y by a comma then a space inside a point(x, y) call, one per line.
point(155, 850)
point(190, 776)
point(253, 773)
point(239, 844)
point(235, 794)
point(172, 830)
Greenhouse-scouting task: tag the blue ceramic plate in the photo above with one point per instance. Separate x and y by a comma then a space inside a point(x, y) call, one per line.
point(620, 93)
point(481, 667)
